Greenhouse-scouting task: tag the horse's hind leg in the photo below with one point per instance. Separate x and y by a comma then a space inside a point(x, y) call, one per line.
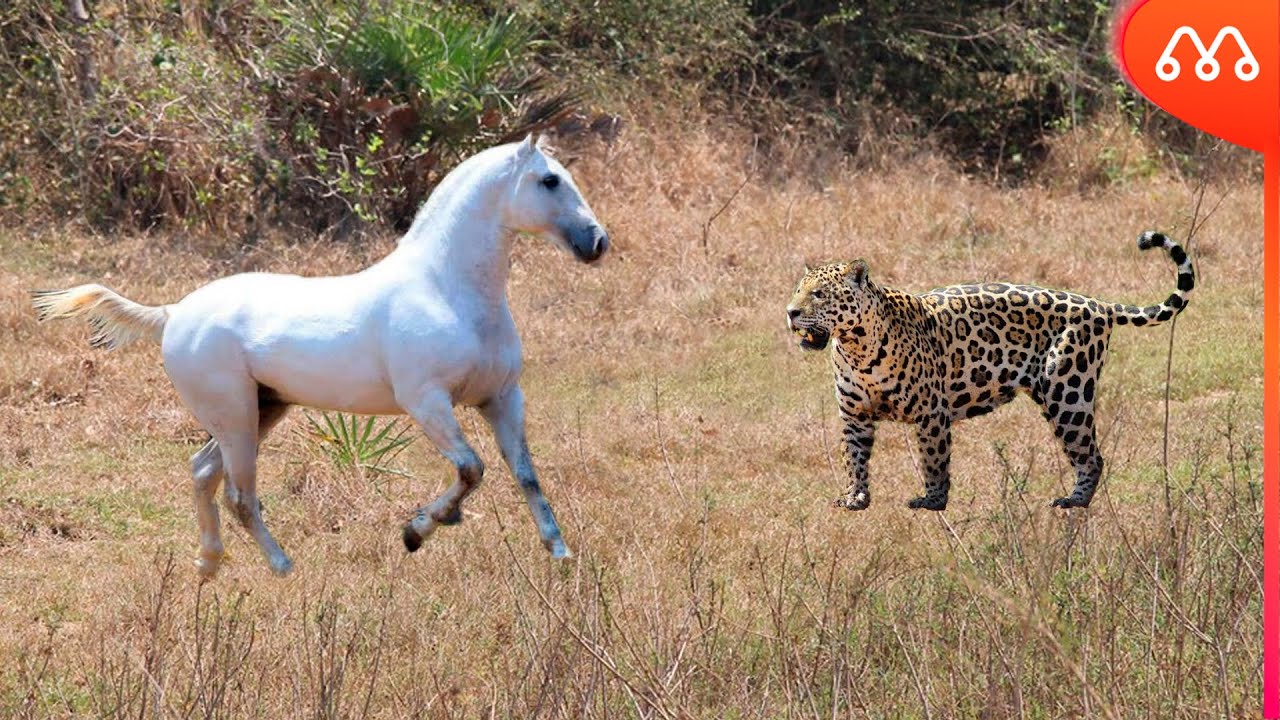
point(207, 471)
point(240, 455)
point(434, 414)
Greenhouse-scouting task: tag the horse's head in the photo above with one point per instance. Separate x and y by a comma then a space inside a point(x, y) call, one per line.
point(545, 201)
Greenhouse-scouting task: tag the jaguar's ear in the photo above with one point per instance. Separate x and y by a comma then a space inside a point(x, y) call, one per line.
point(807, 269)
point(857, 275)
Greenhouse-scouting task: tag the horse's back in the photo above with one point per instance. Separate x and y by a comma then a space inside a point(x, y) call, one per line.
point(341, 343)
point(265, 308)
point(314, 341)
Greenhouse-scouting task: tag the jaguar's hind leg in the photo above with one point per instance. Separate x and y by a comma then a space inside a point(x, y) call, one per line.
point(1071, 415)
point(1066, 394)
point(934, 436)
point(1074, 429)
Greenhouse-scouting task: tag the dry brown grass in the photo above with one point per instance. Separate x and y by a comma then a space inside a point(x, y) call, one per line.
point(688, 447)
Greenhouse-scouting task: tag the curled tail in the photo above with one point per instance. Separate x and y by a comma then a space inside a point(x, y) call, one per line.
point(115, 320)
point(1156, 314)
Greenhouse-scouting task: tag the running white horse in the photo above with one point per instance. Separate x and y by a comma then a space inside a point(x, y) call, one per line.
point(421, 331)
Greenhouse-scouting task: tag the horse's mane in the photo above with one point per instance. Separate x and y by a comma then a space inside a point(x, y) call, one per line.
point(468, 169)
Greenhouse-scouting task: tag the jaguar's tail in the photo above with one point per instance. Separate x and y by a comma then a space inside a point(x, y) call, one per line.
point(1174, 304)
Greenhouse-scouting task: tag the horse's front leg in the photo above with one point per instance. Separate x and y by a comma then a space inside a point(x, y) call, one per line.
point(434, 414)
point(505, 414)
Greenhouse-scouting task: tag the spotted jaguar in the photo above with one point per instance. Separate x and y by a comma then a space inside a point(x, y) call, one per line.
point(962, 351)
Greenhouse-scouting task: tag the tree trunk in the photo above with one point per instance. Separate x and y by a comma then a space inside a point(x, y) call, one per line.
point(86, 73)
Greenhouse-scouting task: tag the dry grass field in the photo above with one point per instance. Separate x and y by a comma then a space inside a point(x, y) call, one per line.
point(689, 448)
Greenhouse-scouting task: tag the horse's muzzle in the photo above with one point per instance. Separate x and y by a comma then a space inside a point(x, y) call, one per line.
point(588, 243)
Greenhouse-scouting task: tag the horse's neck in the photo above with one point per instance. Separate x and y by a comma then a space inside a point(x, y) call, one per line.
point(458, 245)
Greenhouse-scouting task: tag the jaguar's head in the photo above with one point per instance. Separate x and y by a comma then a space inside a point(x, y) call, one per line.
point(830, 300)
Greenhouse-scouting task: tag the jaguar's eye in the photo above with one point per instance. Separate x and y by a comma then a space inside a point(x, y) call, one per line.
point(550, 182)
point(817, 294)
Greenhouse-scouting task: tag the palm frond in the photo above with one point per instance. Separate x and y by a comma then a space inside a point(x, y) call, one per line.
point(354, 444)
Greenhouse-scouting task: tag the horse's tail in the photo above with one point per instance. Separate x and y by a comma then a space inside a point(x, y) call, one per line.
point(115, 320)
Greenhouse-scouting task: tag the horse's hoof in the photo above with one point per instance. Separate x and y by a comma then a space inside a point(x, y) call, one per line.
point(926, 503)
point(281, 566)
point(559, 550)
point(412, 540)
point(209, 561)
point(207, 567)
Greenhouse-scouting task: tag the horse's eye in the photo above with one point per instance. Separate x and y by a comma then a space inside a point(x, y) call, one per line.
point(550, 182)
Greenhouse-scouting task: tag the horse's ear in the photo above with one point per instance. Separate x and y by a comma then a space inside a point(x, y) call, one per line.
point(526, 148)
point(857, 275)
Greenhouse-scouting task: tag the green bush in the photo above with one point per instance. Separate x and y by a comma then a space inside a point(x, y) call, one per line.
point(374, 103)
point(312, 112)
point(367, 446)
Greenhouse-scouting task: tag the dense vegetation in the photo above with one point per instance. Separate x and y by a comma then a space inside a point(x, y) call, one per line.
point(237, 114)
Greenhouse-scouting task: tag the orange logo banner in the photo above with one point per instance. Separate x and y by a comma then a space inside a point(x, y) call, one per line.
point(1212, 64)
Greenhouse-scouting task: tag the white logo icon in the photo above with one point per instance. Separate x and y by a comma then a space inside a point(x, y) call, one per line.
point(1207, 68)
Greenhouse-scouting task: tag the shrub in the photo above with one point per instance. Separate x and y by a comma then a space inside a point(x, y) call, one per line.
point(989, 78)
point(30, 88)
point(322, 112)
point(214, 117)
point(633, 47)
point(127, 127)
point(174, 136)
point(373, 104)
point(365, 446)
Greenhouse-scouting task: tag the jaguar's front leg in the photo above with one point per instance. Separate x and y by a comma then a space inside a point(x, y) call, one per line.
point(859, 435)
point(934, 435)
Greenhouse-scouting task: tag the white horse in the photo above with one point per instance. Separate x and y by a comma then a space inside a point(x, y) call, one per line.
point(421, 331)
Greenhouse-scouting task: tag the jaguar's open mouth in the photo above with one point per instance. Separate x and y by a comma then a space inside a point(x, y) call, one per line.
point(813, 338)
